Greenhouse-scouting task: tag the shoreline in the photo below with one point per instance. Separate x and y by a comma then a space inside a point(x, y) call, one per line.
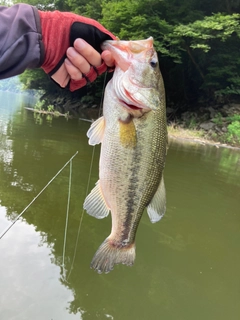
point(198, 136)
point(175, 132)
point(203, 142)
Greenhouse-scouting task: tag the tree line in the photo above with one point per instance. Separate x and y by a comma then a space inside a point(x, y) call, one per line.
point(198, 43)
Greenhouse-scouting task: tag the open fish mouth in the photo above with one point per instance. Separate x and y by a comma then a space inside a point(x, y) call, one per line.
point(127, 100)
point(130, 103)
point(131, 106)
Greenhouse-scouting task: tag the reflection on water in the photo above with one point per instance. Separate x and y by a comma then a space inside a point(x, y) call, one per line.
point(187, 265)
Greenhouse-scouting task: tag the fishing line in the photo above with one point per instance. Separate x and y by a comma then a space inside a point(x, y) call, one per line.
point(67, 216)
point(87, 120)
point(88, 183)
point(80, 222)
point(10, 226)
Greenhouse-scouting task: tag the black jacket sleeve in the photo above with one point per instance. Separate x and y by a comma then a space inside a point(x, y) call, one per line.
point(20, 40)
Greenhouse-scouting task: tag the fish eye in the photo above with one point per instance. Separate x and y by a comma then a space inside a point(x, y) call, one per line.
point(153, 63)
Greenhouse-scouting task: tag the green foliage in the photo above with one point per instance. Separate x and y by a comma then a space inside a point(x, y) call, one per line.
point(50, 108)
point(200, 32)
point(38, 118)
point(235, 117)
point(233, 134)
point(218, 120)
point(91, 8)
point(184, 34)
point(191, 123)
point(40, 105)
point(197, 41)
point(35, 79)
point(61, 5)
point(138, 20)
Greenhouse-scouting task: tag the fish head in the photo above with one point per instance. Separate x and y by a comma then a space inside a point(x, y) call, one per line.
point(137, 77)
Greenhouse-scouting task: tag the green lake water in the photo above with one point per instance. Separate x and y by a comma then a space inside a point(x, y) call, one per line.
point(187, 265)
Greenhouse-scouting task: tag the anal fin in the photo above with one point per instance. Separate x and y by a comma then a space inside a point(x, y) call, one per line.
point(157, 206)
point(95, 204)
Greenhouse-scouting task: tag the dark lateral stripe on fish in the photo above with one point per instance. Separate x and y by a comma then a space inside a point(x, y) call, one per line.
point(131, 217)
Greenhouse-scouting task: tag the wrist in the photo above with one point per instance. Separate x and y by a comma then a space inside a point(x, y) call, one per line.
point(55, 37)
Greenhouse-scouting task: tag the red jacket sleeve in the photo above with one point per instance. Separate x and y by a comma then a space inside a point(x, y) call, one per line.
point(21, 44)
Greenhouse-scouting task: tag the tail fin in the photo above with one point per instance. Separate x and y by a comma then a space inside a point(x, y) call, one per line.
point(109, 254)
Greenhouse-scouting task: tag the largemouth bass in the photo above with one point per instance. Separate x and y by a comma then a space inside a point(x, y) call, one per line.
point(133, 135)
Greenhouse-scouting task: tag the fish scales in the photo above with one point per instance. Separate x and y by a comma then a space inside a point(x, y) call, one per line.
point(134, 143)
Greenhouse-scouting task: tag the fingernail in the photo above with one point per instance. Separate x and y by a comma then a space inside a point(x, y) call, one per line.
point(79, 44)
point(71, 52)
point(67, 61)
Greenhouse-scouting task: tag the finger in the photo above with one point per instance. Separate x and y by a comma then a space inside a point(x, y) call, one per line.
point(78, 60)
point(108, 58)
point(72, 70)
point(61, 76)
point(88, 52)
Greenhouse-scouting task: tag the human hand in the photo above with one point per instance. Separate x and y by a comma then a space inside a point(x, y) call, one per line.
point(72, 43)
point(78, 63)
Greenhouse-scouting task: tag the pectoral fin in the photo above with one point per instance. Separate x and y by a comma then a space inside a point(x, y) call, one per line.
point(96, 131)
point(157, 206)
point(95, 204)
